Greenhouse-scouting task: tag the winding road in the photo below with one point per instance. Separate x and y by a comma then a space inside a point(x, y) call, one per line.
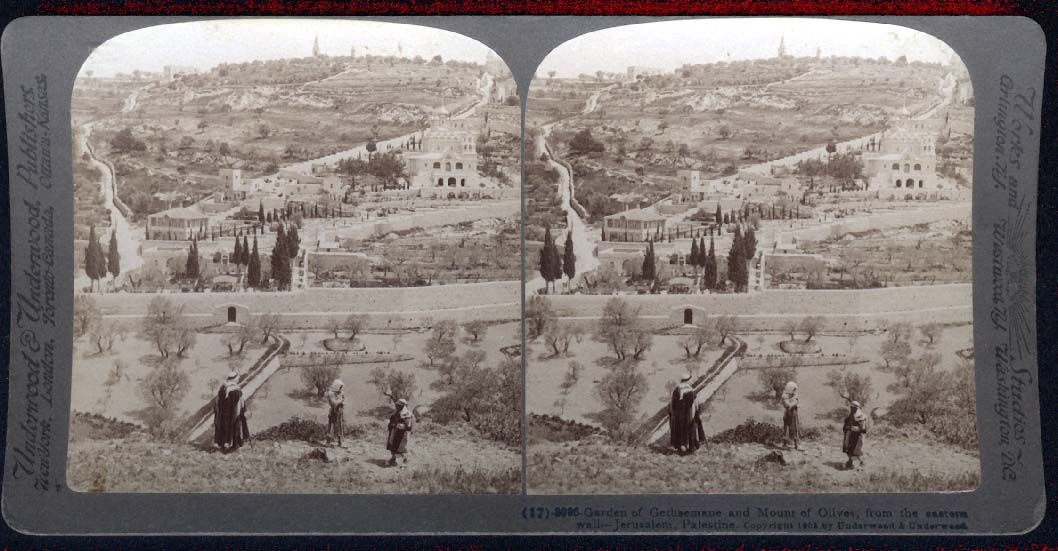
point(128, 246)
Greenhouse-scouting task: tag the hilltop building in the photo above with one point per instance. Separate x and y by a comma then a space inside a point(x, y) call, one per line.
point(635, 72)
point(691, 182)
point(905, 157)
point(172, 71)
point(782, 47)
point(316, 47)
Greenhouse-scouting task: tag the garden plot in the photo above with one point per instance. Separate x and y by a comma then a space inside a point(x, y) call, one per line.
point(286, 394)
point(939, 252)
point(742, 397)
point(100, 386)
point(663, 365)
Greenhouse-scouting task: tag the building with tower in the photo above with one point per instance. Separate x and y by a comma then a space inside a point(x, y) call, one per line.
point(905, 157)
point(444, 157)
point(316, 47)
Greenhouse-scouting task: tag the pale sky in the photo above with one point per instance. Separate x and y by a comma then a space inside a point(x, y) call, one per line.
point(205, 44)
point(670, 44)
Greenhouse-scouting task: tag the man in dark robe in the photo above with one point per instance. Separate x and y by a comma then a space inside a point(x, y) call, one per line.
point(229, 415)
point(401, 423)
point(686, 432)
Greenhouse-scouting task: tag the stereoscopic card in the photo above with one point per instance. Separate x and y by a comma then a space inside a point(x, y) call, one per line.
point(624, 275)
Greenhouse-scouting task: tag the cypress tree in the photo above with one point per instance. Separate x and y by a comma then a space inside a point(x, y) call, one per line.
point(649, 271)
point(738, 241)
point(191, 266)
point(702, 256)
point(236, 255)
point(253, 270)
point(281, 261)
point(113, 256)
point(749, 243)
point(710, 266)
point(557, 269)
point(245, 258)
point(293, 241)
point(569, 258)
point(734, 260)
point(719, 215)
point(692, 258)
point(91, 257)
point(260, 212)
point(546, 260)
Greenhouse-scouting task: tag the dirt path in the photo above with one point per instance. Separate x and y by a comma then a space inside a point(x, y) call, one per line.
point(127, 244)
point(583, 241)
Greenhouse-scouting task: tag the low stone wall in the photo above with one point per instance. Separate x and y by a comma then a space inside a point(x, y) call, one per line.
point(878, 221)
point(780, 302)
point(431, 218)
point(313, 308)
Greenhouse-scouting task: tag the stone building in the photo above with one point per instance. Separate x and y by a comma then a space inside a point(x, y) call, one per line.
point(445, 157)
point(905, 157)
point(634, 225)
point(177, 223)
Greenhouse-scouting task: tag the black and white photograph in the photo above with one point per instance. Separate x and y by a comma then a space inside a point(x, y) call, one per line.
point(748, 261)
point(297, 261)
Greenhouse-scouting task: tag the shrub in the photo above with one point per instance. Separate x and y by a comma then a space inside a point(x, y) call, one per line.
point(308, 431)
point(753, 432)
point(318, 377)
point(164, 388)
point(621, 391)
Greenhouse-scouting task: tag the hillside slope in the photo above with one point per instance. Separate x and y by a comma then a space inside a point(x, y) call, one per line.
point(443, 460)
point(895, 462)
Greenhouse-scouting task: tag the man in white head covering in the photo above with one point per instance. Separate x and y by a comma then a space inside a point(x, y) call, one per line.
point(791, 426)
point(685, 424)
point(229, 414)
point(401, 423)
point(336, 415)
point(854, 428)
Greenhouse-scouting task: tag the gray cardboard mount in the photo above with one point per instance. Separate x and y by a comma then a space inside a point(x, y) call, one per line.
point(41, 58)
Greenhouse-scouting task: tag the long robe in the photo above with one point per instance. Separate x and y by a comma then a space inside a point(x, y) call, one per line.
point(685, 421)
point(854, 428)
point(229, 418)
point(401, 423)
point(790, 423)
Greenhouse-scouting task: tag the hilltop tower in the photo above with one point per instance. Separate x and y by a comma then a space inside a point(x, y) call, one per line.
point(316, 47)
point(819, 52)
point(782, 47)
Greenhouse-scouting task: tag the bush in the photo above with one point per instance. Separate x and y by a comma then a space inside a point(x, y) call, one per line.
point(318, 377)
point(92, 426)
point(488, 399)
point(308, 431)
point(164, 388)
point(753, 432)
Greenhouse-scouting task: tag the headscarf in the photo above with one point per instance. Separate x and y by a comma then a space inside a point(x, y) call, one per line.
point(857, 413)
point(791, 388)
point(337, 385)
point(232, 381)
point(684, 387)
point(405, 411)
